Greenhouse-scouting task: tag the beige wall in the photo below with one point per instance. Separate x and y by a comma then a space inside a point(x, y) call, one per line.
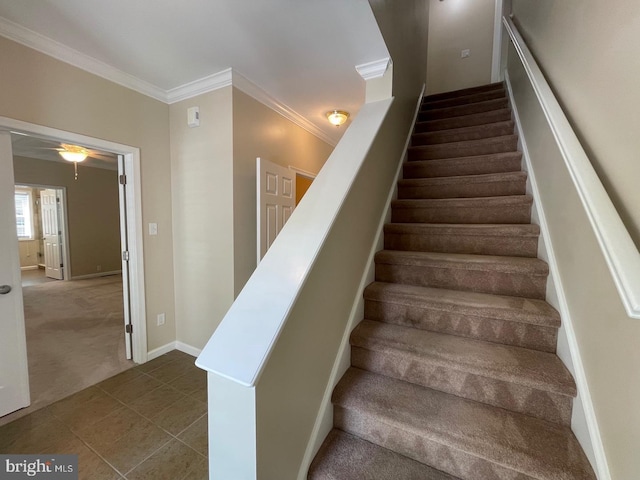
point(41, 90)
point(589, 52)
point(258, 131)
point(93, 217)
point(606, 337)
point(202, 186)
point(456, 25)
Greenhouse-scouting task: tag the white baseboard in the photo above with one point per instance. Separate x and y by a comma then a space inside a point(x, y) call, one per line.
point(96, 275)
point(585, 415)
point(183, 347)
point(30, 267)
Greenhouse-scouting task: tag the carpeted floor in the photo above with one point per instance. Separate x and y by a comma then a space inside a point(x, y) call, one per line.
point(75, 337)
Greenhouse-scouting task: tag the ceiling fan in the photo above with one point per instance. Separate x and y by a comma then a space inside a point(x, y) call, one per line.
point(76, 154)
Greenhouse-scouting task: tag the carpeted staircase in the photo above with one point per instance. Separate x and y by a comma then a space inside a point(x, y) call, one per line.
point(454, 373)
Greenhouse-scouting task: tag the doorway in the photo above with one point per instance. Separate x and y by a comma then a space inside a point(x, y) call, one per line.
point(128, 174)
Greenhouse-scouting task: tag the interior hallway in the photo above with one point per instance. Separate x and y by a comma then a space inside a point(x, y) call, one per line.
point(74, 333)
point(149, 422)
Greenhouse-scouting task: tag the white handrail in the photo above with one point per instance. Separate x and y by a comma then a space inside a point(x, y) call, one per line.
point(619, 250)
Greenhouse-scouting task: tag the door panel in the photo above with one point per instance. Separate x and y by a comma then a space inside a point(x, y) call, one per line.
point(276, 192)
point(49, 207)
point(14, 376)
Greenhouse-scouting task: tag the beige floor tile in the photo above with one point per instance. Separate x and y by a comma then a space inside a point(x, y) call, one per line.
point(90, 412)
point(111, 383)
point(132, 390)
point(69, 404)
point(196, 436)
point(191, 381)
point(111, 429)
point(140, 443)
point(156, 400)
point(198, 471)
point(171, 462)
point(40, 438)
point(90, 465)
point(170, 371)
point(200, 394)
point(155, 363)
point(179, 415)
point(22, 424)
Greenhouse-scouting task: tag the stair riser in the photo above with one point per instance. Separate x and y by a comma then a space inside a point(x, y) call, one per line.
point(463, 100)
point(456, 167)
point(425, 372)
point(474, 133)
point(463, 92)
point(508, 214)
point(483, 118)
point(482, 281)
point(462, 110)
point(462, 149)
point(464, 190)
point(463, 324)
point(472, 244)
point(409, 443)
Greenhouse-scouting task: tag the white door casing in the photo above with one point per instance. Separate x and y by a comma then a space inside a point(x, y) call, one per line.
point(14, 375)
point(50, 207)
point(126, 273)
point(276, 194)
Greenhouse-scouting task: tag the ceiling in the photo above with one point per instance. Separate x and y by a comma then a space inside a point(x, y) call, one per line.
point(302, 53)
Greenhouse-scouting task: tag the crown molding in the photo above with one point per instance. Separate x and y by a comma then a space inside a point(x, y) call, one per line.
point(374, 69)
point(61, 52)
point(245, 85)
point(198, 87)
point(222, 79)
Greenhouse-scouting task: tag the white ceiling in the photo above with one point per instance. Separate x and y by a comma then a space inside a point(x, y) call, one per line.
point(303, 53)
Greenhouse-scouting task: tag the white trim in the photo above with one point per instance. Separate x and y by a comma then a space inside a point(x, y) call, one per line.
point(374, 69)
point(619, 250)
point(245, 85)
point(96, 275)
point(497, 42)
point(565, 313)
point(169, 347)
point(198, 87)
point(304, 173)
point(30, 267)
point(134, 216)
point(189, 349)
point(50, 47)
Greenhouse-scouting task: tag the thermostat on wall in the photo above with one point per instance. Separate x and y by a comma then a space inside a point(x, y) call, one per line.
point(193, 117)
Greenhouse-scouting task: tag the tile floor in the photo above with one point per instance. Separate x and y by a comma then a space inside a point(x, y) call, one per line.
point(149, 422)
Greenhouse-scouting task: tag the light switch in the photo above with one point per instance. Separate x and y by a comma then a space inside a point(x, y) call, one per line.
point(153, 229)
point(193, 117)
point(465, 53)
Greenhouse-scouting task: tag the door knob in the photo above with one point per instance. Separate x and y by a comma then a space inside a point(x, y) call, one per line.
point(4, 289)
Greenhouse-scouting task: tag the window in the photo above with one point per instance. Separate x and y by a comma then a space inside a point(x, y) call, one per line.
point(24, 215)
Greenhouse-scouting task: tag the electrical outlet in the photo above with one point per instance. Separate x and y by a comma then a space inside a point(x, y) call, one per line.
point(161, 319)
point(98, 268)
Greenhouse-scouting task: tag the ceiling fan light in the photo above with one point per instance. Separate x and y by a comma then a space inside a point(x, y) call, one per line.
point(337, 117)
point(73, 154)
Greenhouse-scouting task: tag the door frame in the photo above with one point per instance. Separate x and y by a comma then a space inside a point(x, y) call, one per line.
point(134, 231)
point(66, 269)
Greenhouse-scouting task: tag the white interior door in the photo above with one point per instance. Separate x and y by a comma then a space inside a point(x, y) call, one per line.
point(14, 376)
point(49, 207)
point(276, 201)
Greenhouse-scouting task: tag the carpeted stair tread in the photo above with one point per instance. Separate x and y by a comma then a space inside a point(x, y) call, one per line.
point(481, 210)
point(463, 99)
point(346, 457)
point(460, 110)
point(503, 307)
point(517, 276)
point(463, 92)
point(482, 118)
point(476, 132)
point(465, 438)
point(520, 366)
point(467, 148)
point(518, 240)
point(474, 165)
point(482, 185)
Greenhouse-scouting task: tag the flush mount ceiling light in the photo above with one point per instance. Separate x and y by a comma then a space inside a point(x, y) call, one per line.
point(337, 117)
point(75, 154)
